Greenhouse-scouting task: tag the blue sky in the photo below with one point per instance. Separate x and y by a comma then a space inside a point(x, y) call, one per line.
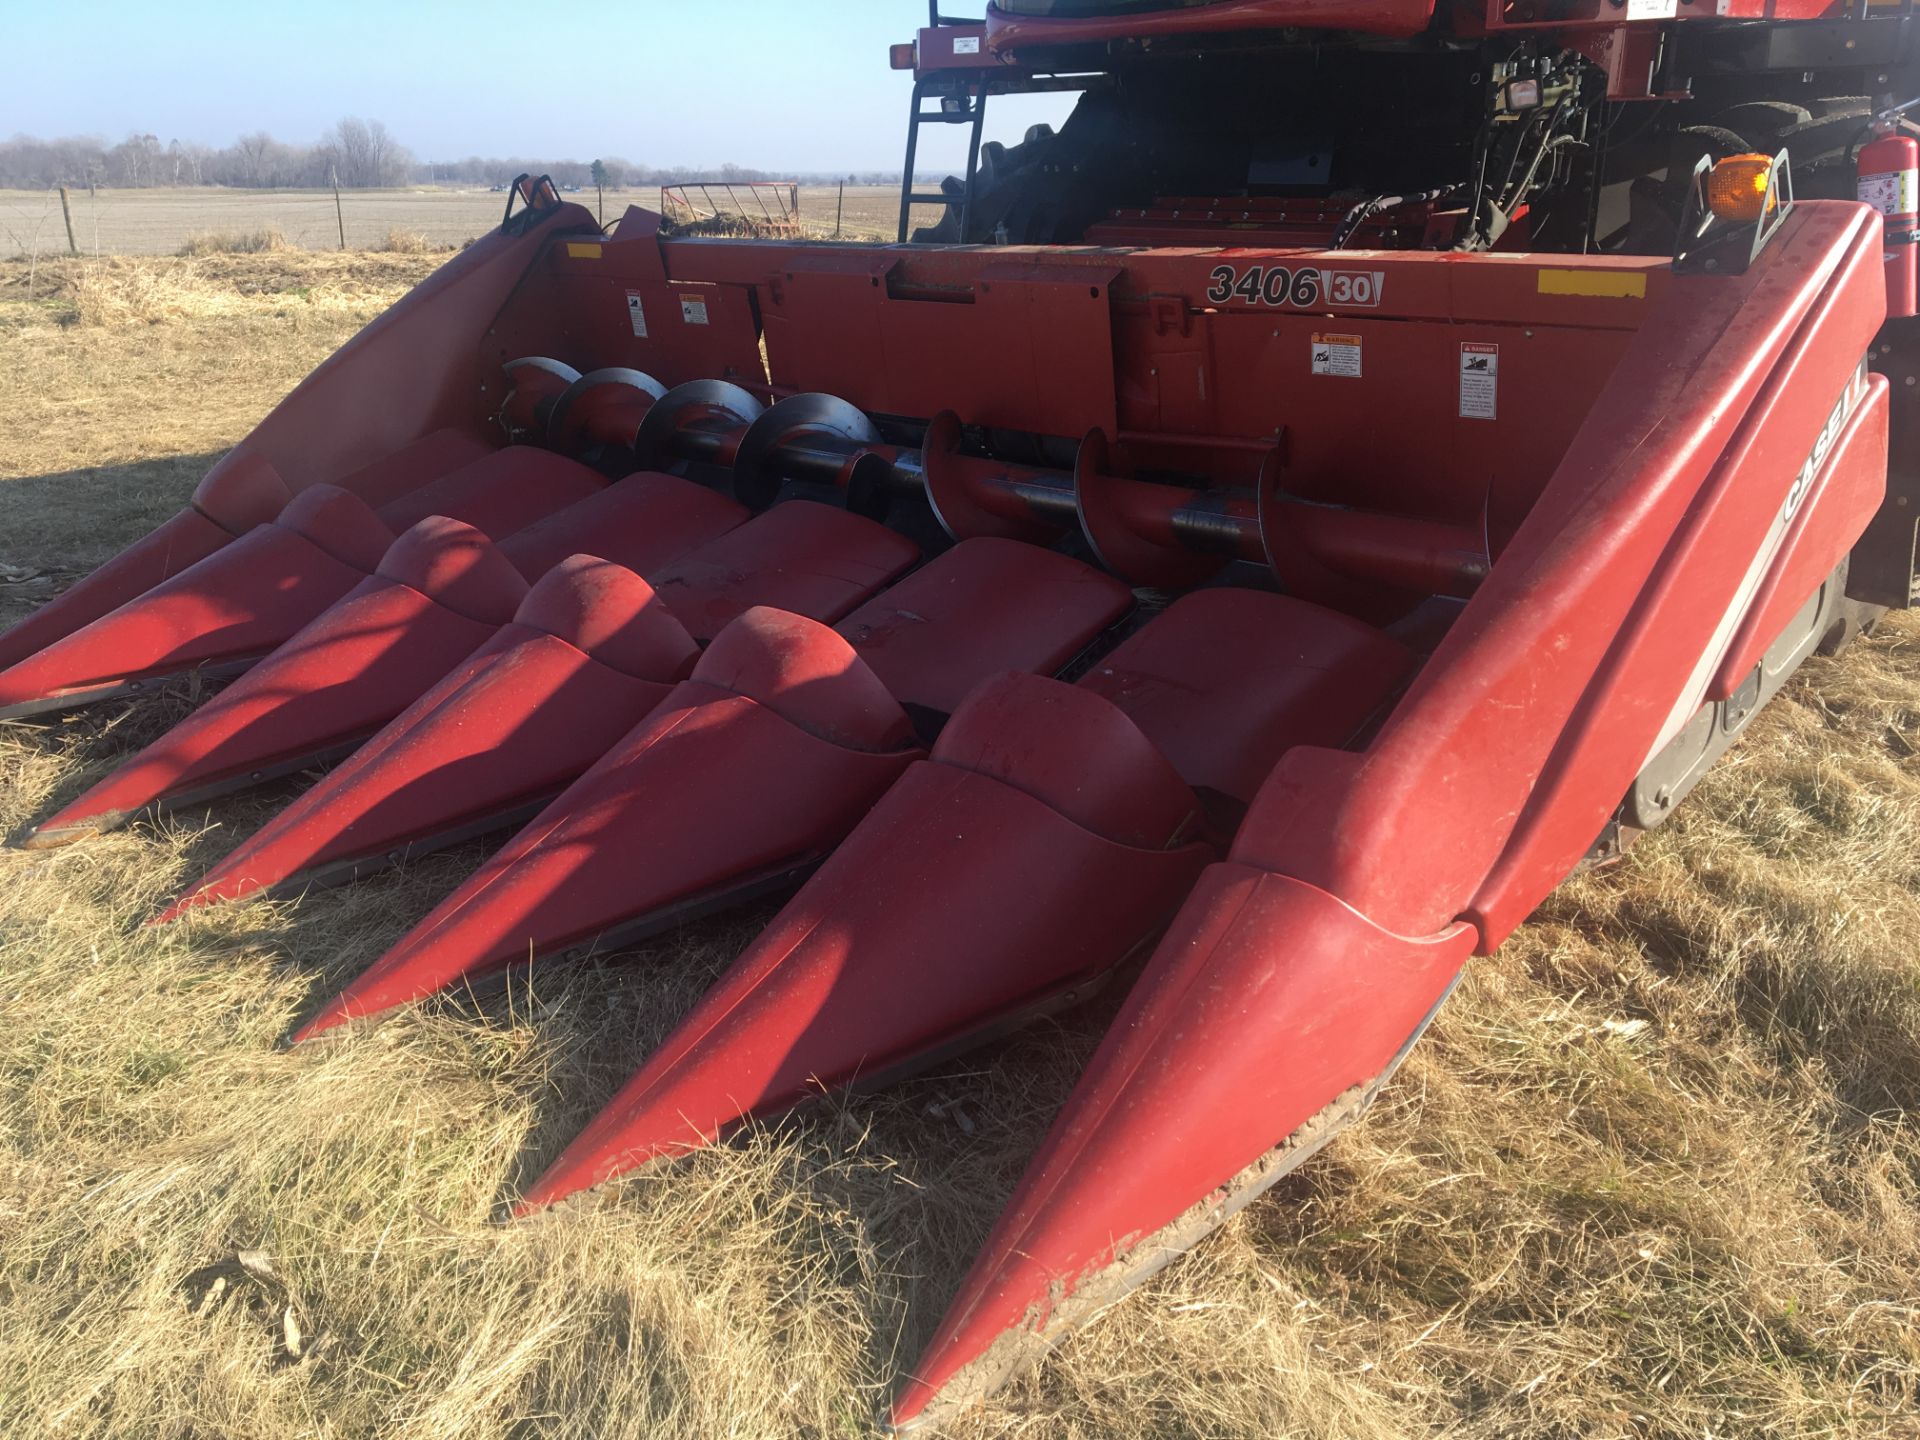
point(778, 84)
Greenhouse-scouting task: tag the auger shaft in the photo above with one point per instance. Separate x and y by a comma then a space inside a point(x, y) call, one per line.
point(1150, 532)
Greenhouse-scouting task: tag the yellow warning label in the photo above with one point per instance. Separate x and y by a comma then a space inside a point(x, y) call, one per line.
point(578, 251)
point(1336, 355)
point(1610, 284)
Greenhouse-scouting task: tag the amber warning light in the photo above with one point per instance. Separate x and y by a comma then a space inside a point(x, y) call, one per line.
point(900, 57)
point(1740, 187)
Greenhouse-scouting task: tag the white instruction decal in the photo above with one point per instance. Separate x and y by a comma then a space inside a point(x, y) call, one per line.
point(693, 311)
point(1479, 380)
point(1652, 9)
point(1337, 355)
point(1895, 192)
point(637, 315)
point(966, 45)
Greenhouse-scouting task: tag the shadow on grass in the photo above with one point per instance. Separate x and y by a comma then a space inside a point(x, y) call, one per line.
point(958, 1136)
point(56, 528)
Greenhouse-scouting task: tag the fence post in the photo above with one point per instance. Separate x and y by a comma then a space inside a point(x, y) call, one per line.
point(839, 207)
point(339, 217)
point(66, 213)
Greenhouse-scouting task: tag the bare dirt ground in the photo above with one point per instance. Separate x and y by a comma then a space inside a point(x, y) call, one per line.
point(1654, 1173)
point(160, 222)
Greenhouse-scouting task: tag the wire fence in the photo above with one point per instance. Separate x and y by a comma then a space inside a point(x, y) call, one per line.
point(165, 221)
point(162, 222)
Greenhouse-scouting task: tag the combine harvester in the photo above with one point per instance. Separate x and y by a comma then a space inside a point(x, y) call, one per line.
point(1256, 543)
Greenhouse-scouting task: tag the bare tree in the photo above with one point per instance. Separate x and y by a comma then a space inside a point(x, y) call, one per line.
point(252, 155)
point(136, 160)
point(365, 154)
point(186, 163)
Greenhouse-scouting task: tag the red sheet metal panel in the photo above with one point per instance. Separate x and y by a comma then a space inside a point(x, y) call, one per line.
point(1266, 1003)
point(1572, 14)
point(643, 521)
point(595, 302)
point(409, 372)
point(1010, 35)
point(984, 606)
point(1384, 429)
point(1596, 626)
point(1213, 352)
point(1825, 514)
point(498, 494)
point(1023, 346)
point(801, 556)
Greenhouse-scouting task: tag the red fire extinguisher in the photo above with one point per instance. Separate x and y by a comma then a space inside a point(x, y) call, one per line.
point(1888, 177)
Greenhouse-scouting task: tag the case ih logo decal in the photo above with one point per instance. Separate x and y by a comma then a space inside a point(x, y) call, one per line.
point(1823, 442)
point(1302, 288)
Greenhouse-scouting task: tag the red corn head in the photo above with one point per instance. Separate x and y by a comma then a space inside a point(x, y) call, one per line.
point(252, 593)
point(802, 557)
point(1683, 493)
point(407, 792)
point(221, 613)
point(985, 887)
point(782, 723)
point(641, 523)
point(1053, 833)
point(1268, 1016)
point(504, 491)
point(590, 651)
point(240, 493)
point(440, 591)
point(764, 757)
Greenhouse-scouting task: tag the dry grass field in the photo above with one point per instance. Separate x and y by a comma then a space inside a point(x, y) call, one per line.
point(161, 222)
point(1655, 1172)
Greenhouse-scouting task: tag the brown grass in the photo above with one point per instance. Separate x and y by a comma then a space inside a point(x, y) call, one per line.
point(401, 241)
point(231, 242)
point(120, 294)
point(1654, 1173)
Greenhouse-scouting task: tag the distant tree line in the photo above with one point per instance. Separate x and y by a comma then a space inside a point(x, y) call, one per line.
point(363, 154)
point(614, 173)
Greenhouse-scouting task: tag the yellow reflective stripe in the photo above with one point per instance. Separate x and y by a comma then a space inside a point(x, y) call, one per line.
point(577, 251)
point(1614, 284)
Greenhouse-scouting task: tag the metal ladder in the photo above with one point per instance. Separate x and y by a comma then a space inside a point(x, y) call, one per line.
point(962, 102)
